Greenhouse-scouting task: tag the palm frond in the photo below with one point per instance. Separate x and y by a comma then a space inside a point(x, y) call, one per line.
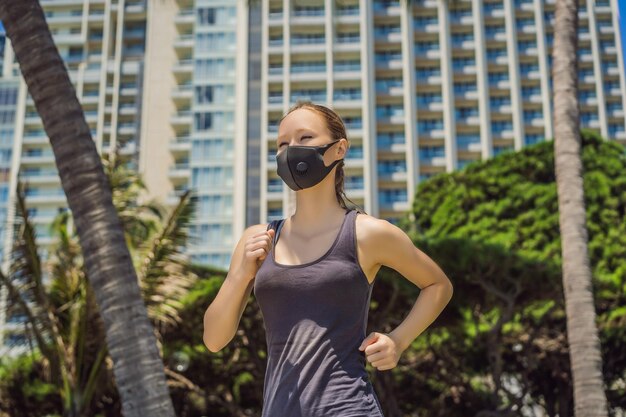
point(165, 274)
point(138, 220)
point(25, 284)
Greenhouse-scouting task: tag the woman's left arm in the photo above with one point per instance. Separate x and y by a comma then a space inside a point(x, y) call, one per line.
point(398, 252)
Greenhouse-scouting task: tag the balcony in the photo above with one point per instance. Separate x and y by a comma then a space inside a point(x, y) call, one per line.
point(431, 52)
point(347, 95)
point(72, 16)
point(51, 196)
point(44, 157)
point(183, 91)
point(428, 77)
point(41, 176)
point(135, 7)
point(464, 44)
point(183, 66)
point(185, 17)
point(391, 143)
point(431, 132)
point(435, 161)
point(387, 8)
point(180, 171)
point(467, 69)
point(425, 25)
point(182, 118)
point(185, 41)
point(430, 104)
point(495, 10)
point(392, 173)
point(180, 144)
point(502, 107)
point(464, 18)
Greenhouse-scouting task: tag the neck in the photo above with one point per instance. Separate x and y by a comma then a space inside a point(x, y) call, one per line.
point(316, 207)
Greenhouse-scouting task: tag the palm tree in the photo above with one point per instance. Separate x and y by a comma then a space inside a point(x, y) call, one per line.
point(62, 317)
point(582, 332)
point(137, 366)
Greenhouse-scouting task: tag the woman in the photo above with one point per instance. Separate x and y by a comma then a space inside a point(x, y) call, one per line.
point(314, 288)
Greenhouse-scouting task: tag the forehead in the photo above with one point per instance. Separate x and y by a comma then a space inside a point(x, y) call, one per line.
point(301, 119)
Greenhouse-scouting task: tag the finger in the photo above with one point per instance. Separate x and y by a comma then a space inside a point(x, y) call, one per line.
point(262, 243)
point(262, 238)
point(381, 363)
point(263, 233)
point(258, 253)
point(369, 339)
point(385, 367)
point(376, 356)
point(374, 348)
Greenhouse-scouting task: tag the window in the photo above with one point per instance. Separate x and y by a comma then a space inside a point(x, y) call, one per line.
point(204, 178)
point(209, 42)
point(219, 120)
point(217, 67)
point(216, 15)
point(427, 152)
point(208, 94)
point(8, 96)
point(219, 149)
point(389, 167)
point(214, 205)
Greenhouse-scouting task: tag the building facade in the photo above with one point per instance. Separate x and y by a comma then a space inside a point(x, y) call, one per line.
point(431, 87)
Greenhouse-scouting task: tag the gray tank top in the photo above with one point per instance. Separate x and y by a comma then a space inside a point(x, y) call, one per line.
point(315, 317)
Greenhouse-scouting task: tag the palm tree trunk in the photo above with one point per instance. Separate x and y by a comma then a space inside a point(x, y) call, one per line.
point(582, 333)
point(138, 369)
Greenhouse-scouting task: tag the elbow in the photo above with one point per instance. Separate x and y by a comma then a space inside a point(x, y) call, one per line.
point(211, 346)
point(450, 289)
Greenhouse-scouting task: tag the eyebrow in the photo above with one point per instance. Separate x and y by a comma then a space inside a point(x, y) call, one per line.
point(297, 130)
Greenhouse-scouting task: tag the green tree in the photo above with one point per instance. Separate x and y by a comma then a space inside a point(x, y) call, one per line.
point(511, 201)
point(63, 317)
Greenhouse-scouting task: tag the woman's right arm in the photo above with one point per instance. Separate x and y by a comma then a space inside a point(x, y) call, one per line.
point(221, 319)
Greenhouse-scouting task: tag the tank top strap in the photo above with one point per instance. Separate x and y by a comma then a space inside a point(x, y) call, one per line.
point(276, 225)
point(346, 241)
point(345, 245)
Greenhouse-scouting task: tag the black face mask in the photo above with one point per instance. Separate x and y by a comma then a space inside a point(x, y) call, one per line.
point(303, 166)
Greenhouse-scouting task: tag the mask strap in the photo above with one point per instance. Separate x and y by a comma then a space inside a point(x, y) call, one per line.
point(326, 147)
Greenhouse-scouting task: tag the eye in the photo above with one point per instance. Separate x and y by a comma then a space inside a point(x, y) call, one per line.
point(306, 137)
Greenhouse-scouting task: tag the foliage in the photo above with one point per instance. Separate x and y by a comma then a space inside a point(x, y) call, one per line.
point(63, 317)
point(499, 348)
point(500, 345)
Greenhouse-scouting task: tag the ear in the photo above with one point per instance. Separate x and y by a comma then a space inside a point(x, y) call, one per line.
point(343, 147)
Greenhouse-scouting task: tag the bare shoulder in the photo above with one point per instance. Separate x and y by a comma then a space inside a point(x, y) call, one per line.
point(377, 236)
point(371, 228)
point(370, 232)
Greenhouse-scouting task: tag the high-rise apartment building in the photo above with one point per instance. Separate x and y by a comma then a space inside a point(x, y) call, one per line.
point(428, 88)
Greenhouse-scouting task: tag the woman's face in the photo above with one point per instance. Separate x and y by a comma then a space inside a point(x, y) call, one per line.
point(305, 127)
